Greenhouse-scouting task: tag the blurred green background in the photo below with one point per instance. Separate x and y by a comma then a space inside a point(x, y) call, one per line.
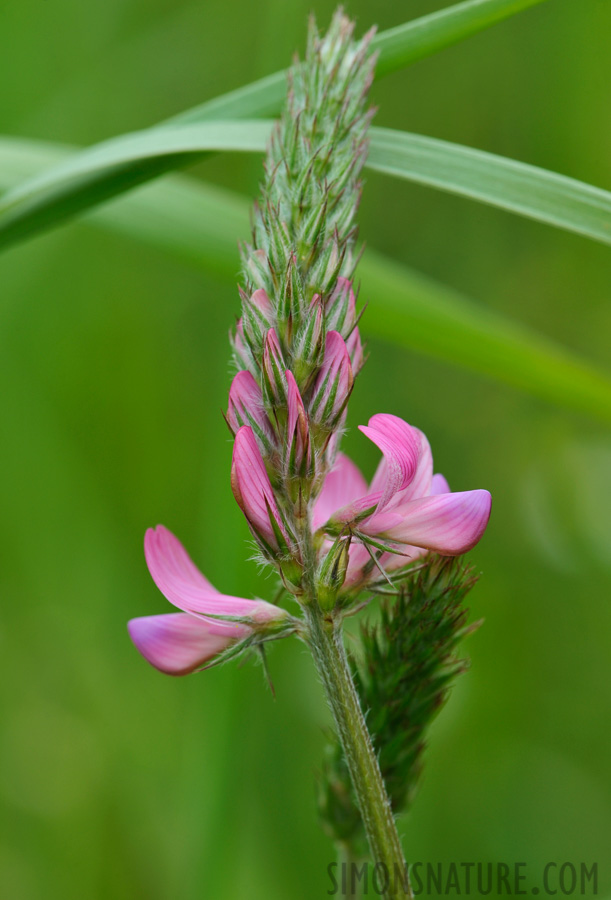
point(118, 782)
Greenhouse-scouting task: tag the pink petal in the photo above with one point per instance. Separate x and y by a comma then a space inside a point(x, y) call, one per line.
point(181, 582)
point(252, 488)
point(401, 446)
point(450, 524)
point(343, 484)
point(420, 485)
point(439, 485)
point(178, 643)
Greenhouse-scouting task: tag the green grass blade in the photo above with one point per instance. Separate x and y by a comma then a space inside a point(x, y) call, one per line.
point(515, 186)
point(85, 179)
point(95, 174)
point(201, 225)
point(27, 213)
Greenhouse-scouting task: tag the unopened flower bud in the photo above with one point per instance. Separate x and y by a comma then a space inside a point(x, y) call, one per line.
point(332, 573)
point(355, 350)
point(298, 460)
point(274, 368)
point(254, 495)
point(308, 347)
point(333, 383)
point(246, 408)
point(341, 308)
point(291, 306)
point(241, 352)
point(257, 316)
point(257, 266)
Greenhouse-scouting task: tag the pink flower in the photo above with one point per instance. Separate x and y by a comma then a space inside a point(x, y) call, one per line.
point(405, 507)
point(179, 643)
point(253, 492)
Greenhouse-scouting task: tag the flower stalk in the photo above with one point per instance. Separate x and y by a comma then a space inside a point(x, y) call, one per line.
point(333, 539)
point(326, 644)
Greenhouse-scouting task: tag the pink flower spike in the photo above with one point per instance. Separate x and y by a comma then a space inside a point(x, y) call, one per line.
point(449, 524)
point(333, 383)
point(253, 491)
point(246, 408)
point(298, 452)
point(177, 643)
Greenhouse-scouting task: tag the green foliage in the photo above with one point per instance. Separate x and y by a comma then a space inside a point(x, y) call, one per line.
point(506, 183)
point(83, 181)
point(115, 785)
point(403, 670)
point(199, 223)
point(121, 164)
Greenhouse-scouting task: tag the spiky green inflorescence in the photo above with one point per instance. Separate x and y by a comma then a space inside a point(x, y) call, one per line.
point(304, 229)
point(406, 665)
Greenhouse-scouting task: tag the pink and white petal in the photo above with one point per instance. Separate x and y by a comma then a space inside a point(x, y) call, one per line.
point(439, 485)
point(449, 524)
point(181, 582)
point(400, 445)
point(178, 643)
point(342, 486)
point(420, 485)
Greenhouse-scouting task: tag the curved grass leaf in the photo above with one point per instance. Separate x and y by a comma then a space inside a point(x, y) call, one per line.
point(26, 214)
point(86, 178)
point(515, 186)
point(201, 224)
point(83, 180)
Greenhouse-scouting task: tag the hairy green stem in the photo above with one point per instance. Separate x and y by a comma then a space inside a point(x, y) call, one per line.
point(327, 647)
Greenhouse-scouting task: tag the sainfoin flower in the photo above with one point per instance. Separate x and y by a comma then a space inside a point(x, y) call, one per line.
point(179, 643)
point(405, 508)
